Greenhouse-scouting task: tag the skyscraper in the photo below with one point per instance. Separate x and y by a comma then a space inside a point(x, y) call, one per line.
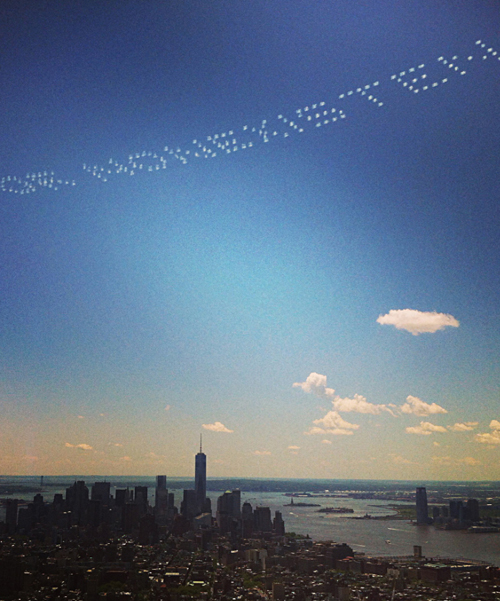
point(161, 499)
point(200, 479)
point(422, 510)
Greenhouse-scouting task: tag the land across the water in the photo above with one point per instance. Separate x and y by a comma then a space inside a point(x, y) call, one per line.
point(292, 504)
point(390, 504)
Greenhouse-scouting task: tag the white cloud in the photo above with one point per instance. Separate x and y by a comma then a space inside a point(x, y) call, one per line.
point(448, 461)
point(441, 460)
point(82, 445)
point(416, 406)
point(490, 437)
point(463, 427)
point(316, 383)
point(358, 404)
point(216, 427)
point(425, 429)
point(417, 322)
point(400, 460)
point(332, 423)
point(260, 453)
point(470, 461)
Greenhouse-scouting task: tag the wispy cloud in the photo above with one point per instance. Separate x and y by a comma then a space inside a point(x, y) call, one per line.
point(400, 460)
point(82, 446)
point(260, 453)
point(416, 406)
point(449, 461)
point(326, 441)
point(168, 407)
point(418, 322)
point(316, 384)
point(293, 447)
point(425, 429)
point(492, 437)
point(216, 427)
point(332, 423)
point(463, 427)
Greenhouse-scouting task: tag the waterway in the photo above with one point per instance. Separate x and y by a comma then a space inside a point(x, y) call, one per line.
point(371, 536)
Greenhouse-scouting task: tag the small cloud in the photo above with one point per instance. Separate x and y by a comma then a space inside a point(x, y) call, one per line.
point(315, 383)
point(30, 458)
point(326, 441)
point(126, 458)
point(358, 404)
point(260, 453)
point(167, 408)
point(416, 406)
point(440, 460)
point(82, 446)
point(447, 461)
point(400, 460)
point(115, 444)
point(216, 427)
point(293, 447)
point(436, 444)
point(417, 322)
point(469, 461)
point(425, 429)
point(102, 414)
point(81, 417)
point(332, 423)
point(490, 437)
point(463, 427)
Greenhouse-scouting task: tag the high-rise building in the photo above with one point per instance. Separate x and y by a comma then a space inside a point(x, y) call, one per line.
point(262, 517)
point(161, 499)
point(473, 510)
point(11, 515)
point(200, 479)
point(101, 492)
point(422, 509)
point(228, 510)
point(189, 504)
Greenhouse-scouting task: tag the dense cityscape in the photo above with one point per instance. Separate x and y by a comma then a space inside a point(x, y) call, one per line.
point(90, 544)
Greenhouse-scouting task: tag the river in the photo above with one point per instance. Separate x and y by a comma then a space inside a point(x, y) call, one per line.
point(370, 536)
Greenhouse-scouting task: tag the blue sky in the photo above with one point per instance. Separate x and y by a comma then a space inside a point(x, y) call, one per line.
point(347, 170)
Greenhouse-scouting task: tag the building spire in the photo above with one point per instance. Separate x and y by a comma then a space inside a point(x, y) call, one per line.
point(200, 443)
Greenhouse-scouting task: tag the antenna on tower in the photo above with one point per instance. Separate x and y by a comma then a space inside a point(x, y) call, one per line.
point(200, 442)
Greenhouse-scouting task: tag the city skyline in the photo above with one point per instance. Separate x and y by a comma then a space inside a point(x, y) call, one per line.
point(277, 226)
